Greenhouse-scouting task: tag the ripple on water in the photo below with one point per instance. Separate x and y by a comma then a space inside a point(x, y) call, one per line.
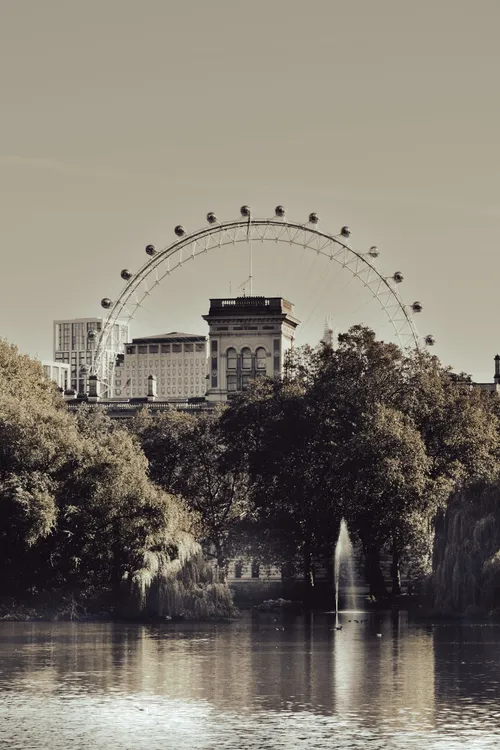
point(249, 685)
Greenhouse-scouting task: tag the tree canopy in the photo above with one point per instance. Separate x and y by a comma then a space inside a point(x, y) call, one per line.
point(78, 510)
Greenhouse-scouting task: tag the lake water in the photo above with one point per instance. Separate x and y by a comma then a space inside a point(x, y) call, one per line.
point(263, 682)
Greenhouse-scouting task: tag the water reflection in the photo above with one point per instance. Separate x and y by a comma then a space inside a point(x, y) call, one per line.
point(266, 681)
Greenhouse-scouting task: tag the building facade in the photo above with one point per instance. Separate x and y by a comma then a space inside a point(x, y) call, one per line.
point(74, 347)
point(248, 338)
point(59, 373)
point(177, 361)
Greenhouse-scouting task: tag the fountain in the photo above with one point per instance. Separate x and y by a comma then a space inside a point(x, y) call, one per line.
point(344, 561)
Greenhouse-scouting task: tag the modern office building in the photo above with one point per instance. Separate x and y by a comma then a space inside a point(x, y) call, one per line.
point(73, 346)
point(177, 361)
point(58, 372)
point(249, 337)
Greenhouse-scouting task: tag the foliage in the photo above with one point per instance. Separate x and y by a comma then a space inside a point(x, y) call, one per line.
point(275, 434)
point(187, 457)
point(466, 575)
point(368, 432)
point(78, 510)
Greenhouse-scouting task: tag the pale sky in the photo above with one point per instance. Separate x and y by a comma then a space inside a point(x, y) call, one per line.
point(120, 119)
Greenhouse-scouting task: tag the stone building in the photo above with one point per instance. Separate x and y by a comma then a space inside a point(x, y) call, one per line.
point(176, 361)
point(248, 338)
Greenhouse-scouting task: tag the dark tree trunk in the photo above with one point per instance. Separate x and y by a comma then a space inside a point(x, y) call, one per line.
point(374, 575)
point(222, 567)
point(308, 576)
point(396, 572)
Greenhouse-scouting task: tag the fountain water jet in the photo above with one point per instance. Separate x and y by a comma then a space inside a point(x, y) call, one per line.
point(344, 559)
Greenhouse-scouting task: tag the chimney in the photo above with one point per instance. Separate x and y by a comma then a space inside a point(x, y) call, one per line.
point(496, 377)
point(152, 392)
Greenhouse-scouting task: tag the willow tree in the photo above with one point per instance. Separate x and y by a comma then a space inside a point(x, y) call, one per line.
point(78, 512)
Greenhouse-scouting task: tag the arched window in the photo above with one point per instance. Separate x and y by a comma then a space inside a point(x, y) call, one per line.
point(260, 359)
point(231, 359)
point(246, 359)
point(238, 569)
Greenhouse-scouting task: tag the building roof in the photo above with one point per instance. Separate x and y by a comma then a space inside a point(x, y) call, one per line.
point(169, 337)
point(275, 307)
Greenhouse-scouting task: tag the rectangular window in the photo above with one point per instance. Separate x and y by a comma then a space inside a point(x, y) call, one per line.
point(188, 347)
point(232, 383)
point(200, 347)
point(165, 348)
point(143, 349)
point(153, 348)
point(214, 364)
point(177, 348)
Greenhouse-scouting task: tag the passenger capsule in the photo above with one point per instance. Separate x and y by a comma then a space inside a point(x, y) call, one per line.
point(345, 232)
point(211, 218)
point(398, 277)
point(150, 250)
point(417, 307)
point(106, 303)
point(313, 218)
point(126, 274)
point(245, 211)
point(430, 340)
point(280, 211)
point(374, 252)
point(179, 230)
point(92, 335)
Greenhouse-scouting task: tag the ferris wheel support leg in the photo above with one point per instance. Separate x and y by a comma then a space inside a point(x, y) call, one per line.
point(94, 388)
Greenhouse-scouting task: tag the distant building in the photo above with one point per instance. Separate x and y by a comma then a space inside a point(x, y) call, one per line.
point(494, 387)
point(177, 361)
point(249, 337)
point(73, 346)
point(59, 373)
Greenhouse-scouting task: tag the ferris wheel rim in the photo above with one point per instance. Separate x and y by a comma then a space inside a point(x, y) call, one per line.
point(250, 224)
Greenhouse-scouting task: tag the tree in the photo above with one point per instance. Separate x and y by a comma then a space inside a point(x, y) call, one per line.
point(77, 509)
point(386, 487)
point(456, 424)
point(275, 434)
point(187, 457)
